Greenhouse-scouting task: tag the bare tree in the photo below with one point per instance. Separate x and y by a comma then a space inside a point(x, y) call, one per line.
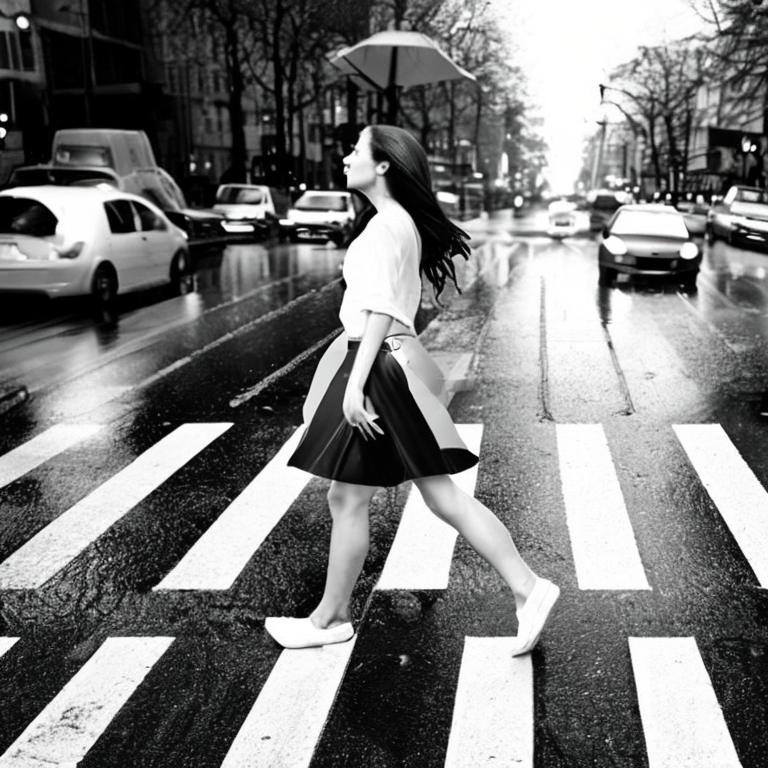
point(656, 94)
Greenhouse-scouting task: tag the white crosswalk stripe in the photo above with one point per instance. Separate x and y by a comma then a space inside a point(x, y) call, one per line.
point(61, 541)
point(69, 726)
point(219, 556)
point(421, 554)
point(285, 723)
point(738, 495)
point(682, 720)
point(493, 713)
point(604, 548)
point(41, 448)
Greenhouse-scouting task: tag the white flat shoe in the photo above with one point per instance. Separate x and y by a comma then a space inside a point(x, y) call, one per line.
point(302, 633)
point(533, 615)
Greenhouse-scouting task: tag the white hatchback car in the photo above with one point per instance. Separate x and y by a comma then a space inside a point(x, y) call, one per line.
point(71, 241)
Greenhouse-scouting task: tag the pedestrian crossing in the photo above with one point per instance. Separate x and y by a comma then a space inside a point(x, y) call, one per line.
point(493, 714)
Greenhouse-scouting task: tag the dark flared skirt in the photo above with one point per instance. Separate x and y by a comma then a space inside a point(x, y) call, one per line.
point(404, 388)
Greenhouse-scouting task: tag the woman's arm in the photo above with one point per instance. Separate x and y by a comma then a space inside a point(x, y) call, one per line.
point(376, 327)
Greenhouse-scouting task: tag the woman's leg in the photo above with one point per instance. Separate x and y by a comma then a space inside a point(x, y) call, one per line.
point(349, 546)
point(482, 529)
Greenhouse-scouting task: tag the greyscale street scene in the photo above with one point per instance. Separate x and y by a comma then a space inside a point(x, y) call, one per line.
point(383, 383)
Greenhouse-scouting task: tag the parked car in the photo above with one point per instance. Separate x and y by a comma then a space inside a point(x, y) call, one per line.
point(648, 240)
point(694, 208)
point(562, 219)
point(255, 204)
point(320, 214)
point(124, 159)
point(71, 241)
point(741, 217)
point(603, 203)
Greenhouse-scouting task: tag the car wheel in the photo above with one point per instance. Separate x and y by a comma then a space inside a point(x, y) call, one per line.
point(607, 276)
point(689, 283)
point(104, 286)
point(181, 273)
point(104, 289)
point(293, 237)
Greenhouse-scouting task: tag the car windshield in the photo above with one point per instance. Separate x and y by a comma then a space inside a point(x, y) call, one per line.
point(22, 216)
point(79, 155)
point(649, 223)
point(314, 202)
point(752, 196)
point(241, 195)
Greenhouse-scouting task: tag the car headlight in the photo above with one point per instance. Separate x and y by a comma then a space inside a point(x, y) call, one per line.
point(689, 251)
point(615, 245)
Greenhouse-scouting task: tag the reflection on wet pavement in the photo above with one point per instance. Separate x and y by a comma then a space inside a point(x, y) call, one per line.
point(56, 341)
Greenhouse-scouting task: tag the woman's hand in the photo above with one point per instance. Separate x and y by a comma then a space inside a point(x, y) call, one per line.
point(359, 413)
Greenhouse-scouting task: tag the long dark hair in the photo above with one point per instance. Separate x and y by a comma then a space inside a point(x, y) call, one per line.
point(409, 184)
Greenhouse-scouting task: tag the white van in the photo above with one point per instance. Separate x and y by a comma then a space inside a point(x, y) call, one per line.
point(128, 153)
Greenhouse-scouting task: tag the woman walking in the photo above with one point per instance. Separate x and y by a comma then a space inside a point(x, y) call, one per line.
point(372, 412)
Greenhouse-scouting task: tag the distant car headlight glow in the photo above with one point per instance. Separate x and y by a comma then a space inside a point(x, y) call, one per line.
point(615, 245)
point(689, 251)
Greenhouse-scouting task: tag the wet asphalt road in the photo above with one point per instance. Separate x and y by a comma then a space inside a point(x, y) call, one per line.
point(552, 349)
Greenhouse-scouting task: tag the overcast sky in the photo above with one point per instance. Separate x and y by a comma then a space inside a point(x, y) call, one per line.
point(567, 47)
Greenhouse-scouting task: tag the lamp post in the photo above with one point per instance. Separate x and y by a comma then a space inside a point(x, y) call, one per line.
point(746, 147)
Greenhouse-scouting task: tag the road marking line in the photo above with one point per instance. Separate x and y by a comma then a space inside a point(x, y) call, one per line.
point(41, 448)
point(229, 336)
point(62, 540)
point(738, 495)
point(602, 540)
point(493, 714)
point(6, 643)
point(421, 554)
point(267, 381)
point(70, 725)
point(682, 720)
point(285, 723)
point(218, 557)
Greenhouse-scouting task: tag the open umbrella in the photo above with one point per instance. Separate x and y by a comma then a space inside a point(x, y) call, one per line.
point(388, 61)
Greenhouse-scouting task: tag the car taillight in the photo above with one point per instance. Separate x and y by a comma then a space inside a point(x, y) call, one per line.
point(689, 251)
point(70, 252)
point(615, 245)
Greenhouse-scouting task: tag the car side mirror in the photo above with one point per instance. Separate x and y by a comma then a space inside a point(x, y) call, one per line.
point(606, 232)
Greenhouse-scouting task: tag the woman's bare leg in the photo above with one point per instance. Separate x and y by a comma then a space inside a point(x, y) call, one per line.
point(487, 535)
point(349, 546)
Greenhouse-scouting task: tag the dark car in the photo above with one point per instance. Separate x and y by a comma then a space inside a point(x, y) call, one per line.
point(602, 205)
point(741, 217)
point(648, 240)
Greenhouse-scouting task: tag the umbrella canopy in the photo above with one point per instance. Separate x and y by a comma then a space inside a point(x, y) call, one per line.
point(392, 60)
point(399, 59)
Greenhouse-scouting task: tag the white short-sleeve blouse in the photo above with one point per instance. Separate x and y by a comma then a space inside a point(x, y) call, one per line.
point(381, 270)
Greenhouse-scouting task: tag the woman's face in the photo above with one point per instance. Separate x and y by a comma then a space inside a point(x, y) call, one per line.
point(359, 165)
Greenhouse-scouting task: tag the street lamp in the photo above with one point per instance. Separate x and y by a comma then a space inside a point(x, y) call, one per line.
point(746, 147)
